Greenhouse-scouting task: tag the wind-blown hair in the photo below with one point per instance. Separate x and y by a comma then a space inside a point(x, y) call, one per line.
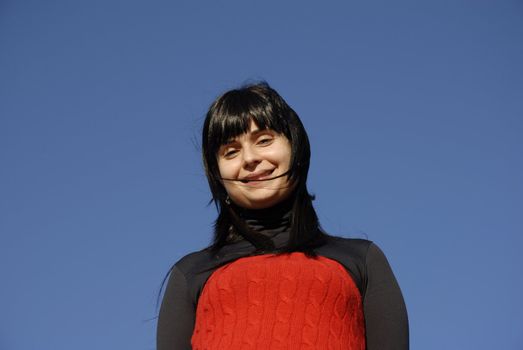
point(229, 116)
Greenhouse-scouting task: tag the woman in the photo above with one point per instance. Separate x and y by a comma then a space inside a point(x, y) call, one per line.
point(272, 278)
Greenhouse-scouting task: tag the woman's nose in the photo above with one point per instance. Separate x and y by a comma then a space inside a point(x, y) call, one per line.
point(250, 157)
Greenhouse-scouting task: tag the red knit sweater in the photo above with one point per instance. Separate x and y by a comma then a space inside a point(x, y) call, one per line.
point(280, 302)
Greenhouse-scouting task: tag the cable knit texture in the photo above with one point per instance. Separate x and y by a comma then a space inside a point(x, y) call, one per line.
point(280, 302)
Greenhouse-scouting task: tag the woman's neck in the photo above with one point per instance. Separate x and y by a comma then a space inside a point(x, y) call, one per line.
point(269, 221)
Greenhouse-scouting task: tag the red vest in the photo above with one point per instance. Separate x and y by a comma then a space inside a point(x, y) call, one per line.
point(280, 302)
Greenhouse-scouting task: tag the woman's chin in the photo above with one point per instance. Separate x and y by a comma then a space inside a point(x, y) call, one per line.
point(261, 198)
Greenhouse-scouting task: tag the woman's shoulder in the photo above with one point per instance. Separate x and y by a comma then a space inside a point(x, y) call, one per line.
point(188, 263)
point(352, 253)
point(361, 251)
point(347, 245)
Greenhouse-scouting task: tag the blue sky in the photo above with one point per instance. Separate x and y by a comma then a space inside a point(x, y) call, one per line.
point(415, 114)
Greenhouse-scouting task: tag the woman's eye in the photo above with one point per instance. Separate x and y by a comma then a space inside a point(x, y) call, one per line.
point(265, 140)
point(230, 153)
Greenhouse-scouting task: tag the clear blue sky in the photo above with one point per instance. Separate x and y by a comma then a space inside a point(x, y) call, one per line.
point(415, 114)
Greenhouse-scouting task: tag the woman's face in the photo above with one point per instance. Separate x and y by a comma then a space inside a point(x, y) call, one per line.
point(248, 165)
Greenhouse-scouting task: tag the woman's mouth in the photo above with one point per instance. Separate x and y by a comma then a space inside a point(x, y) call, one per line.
point(257, 176)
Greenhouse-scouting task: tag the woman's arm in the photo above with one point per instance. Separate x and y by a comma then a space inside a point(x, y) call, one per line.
point(386, 321)
point(177, 314)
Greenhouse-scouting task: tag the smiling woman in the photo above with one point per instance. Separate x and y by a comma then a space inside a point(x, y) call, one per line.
point(272, 278)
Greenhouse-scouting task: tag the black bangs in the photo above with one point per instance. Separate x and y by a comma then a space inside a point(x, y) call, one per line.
point(234, 112)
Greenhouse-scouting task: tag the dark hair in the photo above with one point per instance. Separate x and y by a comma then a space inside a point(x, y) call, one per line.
point(229, 116)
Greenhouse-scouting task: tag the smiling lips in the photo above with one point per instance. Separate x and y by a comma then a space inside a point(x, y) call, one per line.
point(257, 176)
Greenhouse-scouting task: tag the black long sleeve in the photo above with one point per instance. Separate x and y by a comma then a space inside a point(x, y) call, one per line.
point(177, 315)
point(386, 320)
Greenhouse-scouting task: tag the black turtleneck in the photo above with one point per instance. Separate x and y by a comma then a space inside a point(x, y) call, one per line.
point(273, 223)
point(270, 221)
point(384, 309)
